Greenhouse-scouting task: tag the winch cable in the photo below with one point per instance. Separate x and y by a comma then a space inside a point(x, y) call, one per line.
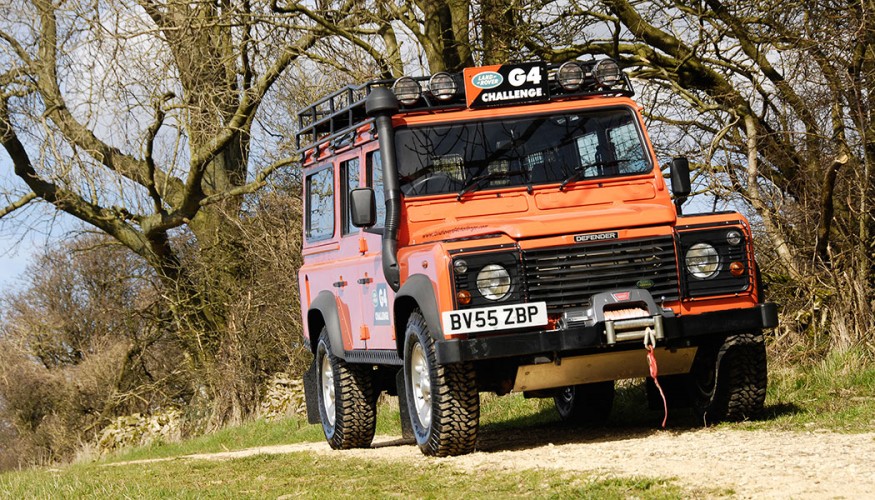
point(649, 343)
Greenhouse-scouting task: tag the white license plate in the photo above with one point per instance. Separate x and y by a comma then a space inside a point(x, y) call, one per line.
point(495, 318)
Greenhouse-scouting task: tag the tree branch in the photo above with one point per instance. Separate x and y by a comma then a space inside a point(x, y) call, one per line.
point(259, 182)
point(19, 203)
point(82, 137)
point(755, 197)
point(151, 133)
point(335, 27)
point(106, 219)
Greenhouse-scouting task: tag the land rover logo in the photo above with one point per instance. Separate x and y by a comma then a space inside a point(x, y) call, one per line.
point(487, 80)
point(580, 238)
point(645, 284)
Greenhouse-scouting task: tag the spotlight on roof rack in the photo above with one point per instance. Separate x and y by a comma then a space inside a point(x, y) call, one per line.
point(570, 75)
point(406, 90)
point(442, 86)
point(606, 73)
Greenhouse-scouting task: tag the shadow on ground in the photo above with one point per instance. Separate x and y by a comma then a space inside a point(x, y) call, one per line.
point(631, 418)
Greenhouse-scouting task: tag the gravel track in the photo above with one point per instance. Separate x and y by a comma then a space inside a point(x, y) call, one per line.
point(710, 462)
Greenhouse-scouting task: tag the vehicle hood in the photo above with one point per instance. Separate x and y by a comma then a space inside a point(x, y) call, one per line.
point(521, 216)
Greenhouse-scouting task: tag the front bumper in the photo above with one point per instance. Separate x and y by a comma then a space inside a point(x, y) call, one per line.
point(677, 330)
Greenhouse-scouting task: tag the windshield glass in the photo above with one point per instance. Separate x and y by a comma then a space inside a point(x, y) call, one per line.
point(527, 151)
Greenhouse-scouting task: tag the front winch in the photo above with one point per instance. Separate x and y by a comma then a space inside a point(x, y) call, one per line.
point(632, 329)
point(627, 314)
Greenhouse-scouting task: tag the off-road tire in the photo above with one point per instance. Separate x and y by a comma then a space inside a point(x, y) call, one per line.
point(586, 404)
point(729, 383)
point(452, 396)
point(354, 401)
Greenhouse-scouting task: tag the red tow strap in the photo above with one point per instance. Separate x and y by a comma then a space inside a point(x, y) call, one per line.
point(651, 360)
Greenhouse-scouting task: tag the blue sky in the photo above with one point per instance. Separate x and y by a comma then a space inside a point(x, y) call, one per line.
point(13, 260)
point(18, 245)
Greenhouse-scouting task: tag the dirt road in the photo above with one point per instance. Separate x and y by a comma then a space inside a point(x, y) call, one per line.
point(742, 464)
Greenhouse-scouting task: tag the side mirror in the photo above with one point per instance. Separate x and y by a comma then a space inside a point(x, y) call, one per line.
point(363, 207)
point(680, 177)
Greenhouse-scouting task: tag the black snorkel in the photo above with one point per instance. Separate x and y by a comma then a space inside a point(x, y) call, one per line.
point(381, 105)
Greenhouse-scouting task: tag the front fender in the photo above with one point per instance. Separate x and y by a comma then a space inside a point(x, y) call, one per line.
point(417, 291)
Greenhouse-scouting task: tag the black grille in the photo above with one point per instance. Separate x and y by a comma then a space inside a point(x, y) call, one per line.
point(569, 276)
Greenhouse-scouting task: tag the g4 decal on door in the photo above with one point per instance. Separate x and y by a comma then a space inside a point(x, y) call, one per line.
point(381, 305)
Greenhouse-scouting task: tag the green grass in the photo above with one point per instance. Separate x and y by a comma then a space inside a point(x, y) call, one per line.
point(836, 393)
point(314, 476)
point(253, 434)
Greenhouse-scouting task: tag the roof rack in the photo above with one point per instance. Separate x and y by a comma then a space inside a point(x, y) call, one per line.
point(340, 113)
point(332, 116)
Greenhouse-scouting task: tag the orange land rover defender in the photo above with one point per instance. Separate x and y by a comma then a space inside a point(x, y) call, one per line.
point(508, 229)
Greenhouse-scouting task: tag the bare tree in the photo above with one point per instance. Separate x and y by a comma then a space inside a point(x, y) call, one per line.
point(137, 118)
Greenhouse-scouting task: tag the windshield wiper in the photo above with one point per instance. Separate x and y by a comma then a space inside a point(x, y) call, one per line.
point(580, 171)
point(475, 183)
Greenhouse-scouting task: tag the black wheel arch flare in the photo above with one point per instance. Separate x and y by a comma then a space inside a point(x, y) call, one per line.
point(323, 312)
point(417, 291)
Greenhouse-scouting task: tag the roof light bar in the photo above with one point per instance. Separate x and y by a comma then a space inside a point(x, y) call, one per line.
point(407, 90)
point(570, 75)
point(442, 86)
point(606, 73)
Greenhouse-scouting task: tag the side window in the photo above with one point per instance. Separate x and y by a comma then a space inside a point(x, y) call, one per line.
point(375, 180)
point(320, 205)
point(349, 180)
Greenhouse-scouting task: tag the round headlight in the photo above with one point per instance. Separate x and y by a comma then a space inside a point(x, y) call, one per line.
point(606, 73)
point(702, 261)
point(406, 90)
point(570, 75)
point(493, 281)
point(442, 86)
point(733, 237)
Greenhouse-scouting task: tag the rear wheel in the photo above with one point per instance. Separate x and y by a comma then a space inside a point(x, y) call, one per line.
point(588, 404)
point(347, 403)
point(443, 400)
point(729, 383)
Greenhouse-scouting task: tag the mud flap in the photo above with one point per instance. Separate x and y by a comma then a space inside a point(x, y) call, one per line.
point(406, 425)
point(310, 395)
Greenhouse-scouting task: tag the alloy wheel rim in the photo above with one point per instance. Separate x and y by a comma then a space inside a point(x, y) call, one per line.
point(328, 389)
point(421, 381)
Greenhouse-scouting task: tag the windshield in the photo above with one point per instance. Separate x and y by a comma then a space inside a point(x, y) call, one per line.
point(463, 157)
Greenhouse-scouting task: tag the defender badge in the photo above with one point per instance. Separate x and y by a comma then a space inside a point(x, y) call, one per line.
point(580, 238)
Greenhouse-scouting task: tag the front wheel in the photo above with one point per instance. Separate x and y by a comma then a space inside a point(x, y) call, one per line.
point(588, 404)
point(443, 400)
point(347, 403)
point(729, 383)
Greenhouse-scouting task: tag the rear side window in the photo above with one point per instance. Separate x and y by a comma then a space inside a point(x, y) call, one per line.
point(349, 179)
point(320, 205)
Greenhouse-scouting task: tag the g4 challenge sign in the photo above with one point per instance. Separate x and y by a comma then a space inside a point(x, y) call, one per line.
point(505, 84)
